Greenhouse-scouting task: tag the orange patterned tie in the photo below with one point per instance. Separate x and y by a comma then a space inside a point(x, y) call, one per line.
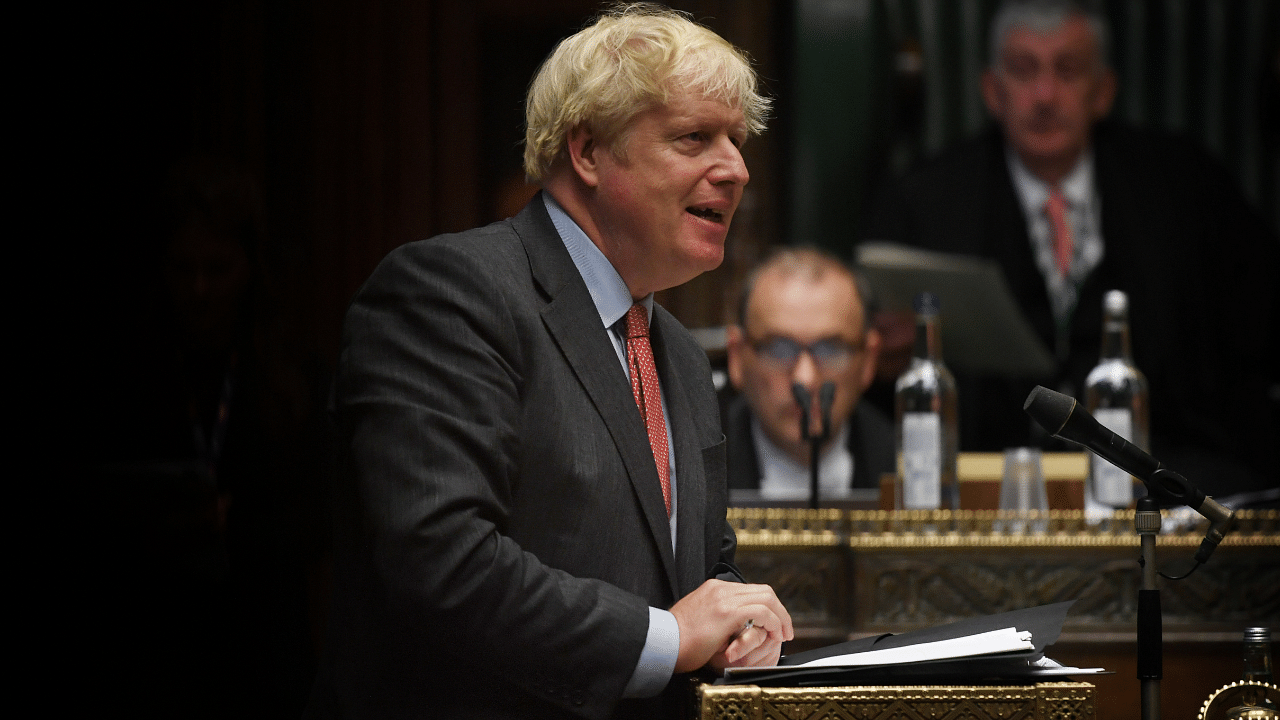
point(1056, 206)
point(644, 385)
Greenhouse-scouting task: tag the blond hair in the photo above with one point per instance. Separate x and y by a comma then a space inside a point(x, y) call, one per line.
point(631, 58)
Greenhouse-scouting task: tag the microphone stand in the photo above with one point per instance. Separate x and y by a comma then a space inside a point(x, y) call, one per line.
point(1146, 521)
point(826, 394)
point(1057, 413)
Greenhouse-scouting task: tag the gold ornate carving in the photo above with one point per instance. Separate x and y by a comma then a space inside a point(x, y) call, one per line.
point(779, 527)
point(1043, 701)
point(842, 572)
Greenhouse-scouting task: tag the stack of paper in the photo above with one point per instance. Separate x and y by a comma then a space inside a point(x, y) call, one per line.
point(1003, 647)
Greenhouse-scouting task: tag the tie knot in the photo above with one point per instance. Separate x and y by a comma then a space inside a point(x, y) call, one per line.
point(637, 322)
point(1057, 202)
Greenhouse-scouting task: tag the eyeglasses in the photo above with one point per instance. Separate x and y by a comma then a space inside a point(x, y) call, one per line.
point(830, 354)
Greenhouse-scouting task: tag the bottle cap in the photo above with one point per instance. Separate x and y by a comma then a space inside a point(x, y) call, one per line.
point(1257, 635)
point(1115, 302)
point(926, 303)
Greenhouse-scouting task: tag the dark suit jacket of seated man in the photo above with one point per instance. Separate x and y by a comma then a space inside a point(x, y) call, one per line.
point(869, 441)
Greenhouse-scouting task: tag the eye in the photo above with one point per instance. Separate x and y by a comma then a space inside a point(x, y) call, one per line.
point(1021, 68)
point(1071, 69)
point(780, 349)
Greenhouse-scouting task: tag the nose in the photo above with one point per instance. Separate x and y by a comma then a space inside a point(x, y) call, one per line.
point(729, 166)
point(806, 372)
point(1045, 86)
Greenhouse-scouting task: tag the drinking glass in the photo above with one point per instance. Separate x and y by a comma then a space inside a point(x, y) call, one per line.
point(1022, 492)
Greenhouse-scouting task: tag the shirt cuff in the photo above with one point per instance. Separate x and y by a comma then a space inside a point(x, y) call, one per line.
point(658, 657)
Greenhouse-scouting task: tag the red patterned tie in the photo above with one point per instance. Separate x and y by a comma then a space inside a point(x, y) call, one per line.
point(644, 385)
point(1056, 206)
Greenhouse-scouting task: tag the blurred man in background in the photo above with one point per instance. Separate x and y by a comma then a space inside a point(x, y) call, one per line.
point(803, 319)
point(1071, 205)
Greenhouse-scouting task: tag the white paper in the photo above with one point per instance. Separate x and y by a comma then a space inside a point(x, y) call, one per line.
point(988, 643)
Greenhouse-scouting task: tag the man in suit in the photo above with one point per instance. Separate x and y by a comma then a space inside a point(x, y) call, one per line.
point(532, 510)
point(1143, 213)
point(803, 319)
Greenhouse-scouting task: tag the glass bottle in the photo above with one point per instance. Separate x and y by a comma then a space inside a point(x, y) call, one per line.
point(1257, 669)
point(925, 419)
point(1116, 395)
point(1257, 655)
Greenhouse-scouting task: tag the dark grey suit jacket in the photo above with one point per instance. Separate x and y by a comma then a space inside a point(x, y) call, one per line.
point(501, 529)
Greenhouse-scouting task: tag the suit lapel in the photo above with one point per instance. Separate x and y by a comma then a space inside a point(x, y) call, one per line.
point(571, 319)
point(690, 483)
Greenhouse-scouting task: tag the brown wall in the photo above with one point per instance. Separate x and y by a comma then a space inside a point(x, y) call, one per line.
point(365, 125)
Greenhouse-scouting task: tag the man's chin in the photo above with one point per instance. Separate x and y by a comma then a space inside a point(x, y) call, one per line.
point(1050, 146)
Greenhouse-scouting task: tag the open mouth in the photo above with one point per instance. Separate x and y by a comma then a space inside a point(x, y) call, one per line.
point(706, 214)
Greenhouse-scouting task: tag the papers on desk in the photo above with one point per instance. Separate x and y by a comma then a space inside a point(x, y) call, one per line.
point(983, 329)
point(989, 643)
point(1006, 646)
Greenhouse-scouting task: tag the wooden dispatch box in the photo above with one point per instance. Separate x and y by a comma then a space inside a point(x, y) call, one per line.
point(1042, 701)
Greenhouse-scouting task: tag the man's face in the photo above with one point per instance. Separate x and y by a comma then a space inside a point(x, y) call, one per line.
point(791, 306)
point(662, 212)
point(1048, 90)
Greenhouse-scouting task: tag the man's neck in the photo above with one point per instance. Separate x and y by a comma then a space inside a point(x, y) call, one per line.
point(1051, 171)
point(574, 198)
point(781, 471)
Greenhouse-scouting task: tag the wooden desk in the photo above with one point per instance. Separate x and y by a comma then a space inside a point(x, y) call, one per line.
point(848, 573)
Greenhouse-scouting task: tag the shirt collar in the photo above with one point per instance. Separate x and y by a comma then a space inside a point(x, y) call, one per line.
point(1034, 192)
point(608, 291)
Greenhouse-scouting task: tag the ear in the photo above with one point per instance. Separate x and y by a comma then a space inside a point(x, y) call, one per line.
point(993, 94)
point(583, 149)
point(1104, 94)
point(872, 349)
point(734, 347)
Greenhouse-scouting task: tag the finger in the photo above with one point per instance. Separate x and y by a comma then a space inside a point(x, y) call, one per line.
point(766, 653)
point(765, 596)
point(746, 643)
point(770, 617)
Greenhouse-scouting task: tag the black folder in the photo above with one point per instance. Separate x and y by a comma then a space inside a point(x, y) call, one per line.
point(1043, 622)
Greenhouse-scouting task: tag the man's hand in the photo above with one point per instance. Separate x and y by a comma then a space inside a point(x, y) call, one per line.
point(714, 628)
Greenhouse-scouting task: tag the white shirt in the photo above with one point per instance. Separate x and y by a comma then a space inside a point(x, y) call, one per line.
point(1083, 215)
point(782, 478)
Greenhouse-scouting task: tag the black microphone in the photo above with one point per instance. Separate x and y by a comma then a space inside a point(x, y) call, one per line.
point(801, 394)
point(1061, 416)
point(826, 396)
